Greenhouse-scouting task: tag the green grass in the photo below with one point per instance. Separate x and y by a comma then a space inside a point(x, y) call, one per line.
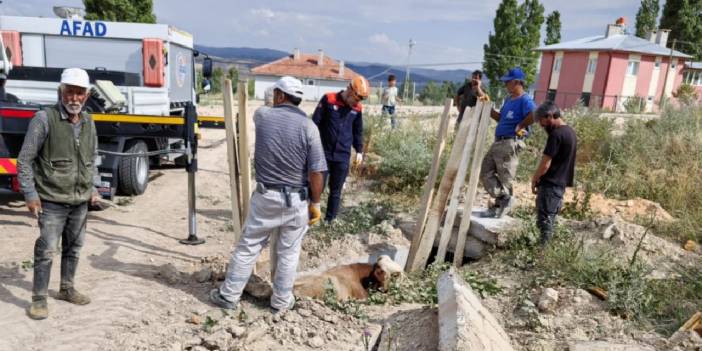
point(662, 305)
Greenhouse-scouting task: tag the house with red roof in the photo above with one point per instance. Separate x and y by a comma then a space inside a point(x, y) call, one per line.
point(615, 71)
point(319, 74)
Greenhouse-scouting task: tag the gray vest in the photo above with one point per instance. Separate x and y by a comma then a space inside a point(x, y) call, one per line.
point(63, 172)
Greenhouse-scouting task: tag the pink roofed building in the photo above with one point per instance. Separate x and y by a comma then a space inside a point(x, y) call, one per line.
point(616, 71)
point(693, 76)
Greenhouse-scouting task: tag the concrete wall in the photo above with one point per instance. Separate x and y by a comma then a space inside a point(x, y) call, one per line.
point(311, 92)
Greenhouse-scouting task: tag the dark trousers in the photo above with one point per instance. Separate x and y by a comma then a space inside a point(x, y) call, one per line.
point(335, 176)
point(64, 223)
point(549, 199)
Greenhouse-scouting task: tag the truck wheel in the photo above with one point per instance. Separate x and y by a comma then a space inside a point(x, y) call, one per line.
point(134, 171)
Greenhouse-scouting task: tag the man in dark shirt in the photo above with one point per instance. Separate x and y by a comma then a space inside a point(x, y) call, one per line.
point(339, 117)
point(556, 170)
point(468, 94)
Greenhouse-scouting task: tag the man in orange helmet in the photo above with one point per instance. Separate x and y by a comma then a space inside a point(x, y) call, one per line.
point(339, 119)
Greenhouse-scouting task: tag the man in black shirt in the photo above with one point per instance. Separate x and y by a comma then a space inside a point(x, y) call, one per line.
point(556, 170)
point(468, 94)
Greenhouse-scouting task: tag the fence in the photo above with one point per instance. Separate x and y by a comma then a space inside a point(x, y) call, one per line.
point(614, 103)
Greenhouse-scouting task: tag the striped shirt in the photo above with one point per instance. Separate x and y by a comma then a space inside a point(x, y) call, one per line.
point(288, 146)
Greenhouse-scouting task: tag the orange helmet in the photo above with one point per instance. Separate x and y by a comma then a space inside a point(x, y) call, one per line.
point(360, 86)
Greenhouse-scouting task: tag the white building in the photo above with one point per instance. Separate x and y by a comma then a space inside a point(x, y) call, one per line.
point(319, 74)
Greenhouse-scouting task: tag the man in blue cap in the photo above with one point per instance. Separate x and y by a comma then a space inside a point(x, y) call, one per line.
point(500, 163)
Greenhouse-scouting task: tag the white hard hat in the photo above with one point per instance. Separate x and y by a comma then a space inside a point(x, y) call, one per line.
point(290, 86)
point(75, 76)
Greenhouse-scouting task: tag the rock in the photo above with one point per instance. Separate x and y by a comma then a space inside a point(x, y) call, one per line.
point(690, 246)
point(256, 331)
point(194, 319)
point(176, 346)
point(199, 348)
point(203, 275)
point(548, 300)
point(315, 342)
point(295, 331)
point(194, 341)
point(304, 312)
point(259, 288)
point(236, 331)
point(169, 273)
point(610, 231)
point(605, 346)
point(291, 316)
point(464, 324)
point(220, 340)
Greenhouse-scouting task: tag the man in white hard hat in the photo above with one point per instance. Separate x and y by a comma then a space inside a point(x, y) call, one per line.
point(290, 165)
point(57, 174)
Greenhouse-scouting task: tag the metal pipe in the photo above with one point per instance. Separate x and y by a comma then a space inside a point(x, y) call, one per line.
point(192, 219)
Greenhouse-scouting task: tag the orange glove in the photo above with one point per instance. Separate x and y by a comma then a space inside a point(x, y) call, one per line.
point(315, 213)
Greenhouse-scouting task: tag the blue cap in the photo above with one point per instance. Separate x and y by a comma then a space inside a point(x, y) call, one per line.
point(515, 73)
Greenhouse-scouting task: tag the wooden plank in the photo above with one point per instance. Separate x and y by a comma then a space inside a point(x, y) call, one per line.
point(428, 191)
point(459, 181)
point(426, 242)
point(472, 184)
point(232, 156)
point(244, 148)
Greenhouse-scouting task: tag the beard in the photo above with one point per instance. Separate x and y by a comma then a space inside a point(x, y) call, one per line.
point(549, 129)
point(73, 107)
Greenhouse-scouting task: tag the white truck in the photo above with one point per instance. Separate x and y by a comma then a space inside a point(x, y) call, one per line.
point(136, 69)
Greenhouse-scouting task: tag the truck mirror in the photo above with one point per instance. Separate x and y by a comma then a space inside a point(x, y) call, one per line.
point(207, 67)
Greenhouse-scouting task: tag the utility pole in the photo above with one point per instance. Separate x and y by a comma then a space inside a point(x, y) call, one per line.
point(405, 93)
point(664, 99)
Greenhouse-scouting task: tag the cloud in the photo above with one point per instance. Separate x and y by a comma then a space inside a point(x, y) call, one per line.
point(264, 13)
point(381, 38)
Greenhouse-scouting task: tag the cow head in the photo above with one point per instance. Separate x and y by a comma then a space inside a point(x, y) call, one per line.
point(385, 270)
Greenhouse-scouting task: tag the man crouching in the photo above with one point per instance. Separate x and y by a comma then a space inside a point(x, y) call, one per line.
point(57, 171)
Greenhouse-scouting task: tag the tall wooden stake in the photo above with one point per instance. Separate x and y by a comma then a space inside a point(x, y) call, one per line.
point(244, 153)
point(428, 191)
point(232, 155)
point(426, 242)
point(472, 185)
point(458, 182)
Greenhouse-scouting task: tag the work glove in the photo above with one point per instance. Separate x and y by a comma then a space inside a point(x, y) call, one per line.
point(358, 160)
point(484, 98)
point(315, 213)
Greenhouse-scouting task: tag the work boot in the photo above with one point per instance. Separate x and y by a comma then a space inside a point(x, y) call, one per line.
point(39, 308)
point(73, 296)
point(491, 212)
point(282, 311)
point(506, 204)
point(219, 300)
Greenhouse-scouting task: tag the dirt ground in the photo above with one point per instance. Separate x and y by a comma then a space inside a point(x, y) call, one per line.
point(149, 294)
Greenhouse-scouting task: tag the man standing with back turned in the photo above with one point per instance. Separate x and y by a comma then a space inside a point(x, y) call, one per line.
point(500, 163)
point(57, 174)
point(290, 166)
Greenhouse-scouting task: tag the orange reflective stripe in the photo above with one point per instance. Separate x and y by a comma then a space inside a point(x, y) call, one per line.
point(8, 166)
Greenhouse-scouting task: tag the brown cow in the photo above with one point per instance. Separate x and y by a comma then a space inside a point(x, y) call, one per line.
point(350, 281)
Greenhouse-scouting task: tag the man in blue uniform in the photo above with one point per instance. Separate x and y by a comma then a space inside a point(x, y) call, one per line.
point(339, 119)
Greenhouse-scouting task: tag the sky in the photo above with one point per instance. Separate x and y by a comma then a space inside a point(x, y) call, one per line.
point(445, 31)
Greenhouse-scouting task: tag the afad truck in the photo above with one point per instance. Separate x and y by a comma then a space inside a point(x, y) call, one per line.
point(143, 81)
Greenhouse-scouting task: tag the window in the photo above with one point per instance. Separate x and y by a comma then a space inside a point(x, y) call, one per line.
point(585, 98)
point(551, 95)
point(310, 82)
point(591, 66)
point(657, 65)
point(557, 64)
point(633, 68)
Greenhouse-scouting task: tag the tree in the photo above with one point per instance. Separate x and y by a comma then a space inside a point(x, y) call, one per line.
point(646, 17)
point(553, 28)
point(505, 46)
point(140, 11)
point(532, 13)
point(233, 74)
point(683, 19)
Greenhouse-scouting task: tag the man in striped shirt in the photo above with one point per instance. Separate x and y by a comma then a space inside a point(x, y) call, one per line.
point(289, 162)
